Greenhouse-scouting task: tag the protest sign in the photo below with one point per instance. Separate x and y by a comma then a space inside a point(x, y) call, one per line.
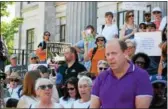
point(34, 66)
point(148, 42)
point(134, 6)
point(56, 48)
point(21, 70)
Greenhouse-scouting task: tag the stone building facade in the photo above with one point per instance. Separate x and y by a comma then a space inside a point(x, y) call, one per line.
point(66, 20)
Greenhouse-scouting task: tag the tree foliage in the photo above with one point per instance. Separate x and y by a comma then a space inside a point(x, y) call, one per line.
point(3, 6)
point(9, 29)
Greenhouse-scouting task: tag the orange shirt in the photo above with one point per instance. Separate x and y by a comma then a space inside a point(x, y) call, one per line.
point(99, 55)
point(41, 54)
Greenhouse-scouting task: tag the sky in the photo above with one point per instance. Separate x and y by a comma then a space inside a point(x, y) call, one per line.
point(11, 10)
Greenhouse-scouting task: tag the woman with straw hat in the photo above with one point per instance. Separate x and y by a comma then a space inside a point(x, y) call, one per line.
point(14, 86)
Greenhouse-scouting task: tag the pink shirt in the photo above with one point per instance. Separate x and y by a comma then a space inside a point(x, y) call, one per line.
point(157, 23)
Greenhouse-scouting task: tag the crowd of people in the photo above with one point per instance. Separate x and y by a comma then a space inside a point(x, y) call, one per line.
point(100, 71)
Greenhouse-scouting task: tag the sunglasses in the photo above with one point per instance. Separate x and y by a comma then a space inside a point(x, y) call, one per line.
point(47, 35)
point(131, 16)
point(139, 62)
point(156, 12)
point(158, 86)
point(98, 40)
point(101, 68)
point(43, 87)
point(70, 89)
point(33, 58)
point(14, 80)
point(147, 15)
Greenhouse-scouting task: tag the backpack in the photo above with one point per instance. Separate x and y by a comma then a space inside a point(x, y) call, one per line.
point(19, 91)
point(94, 52)
point(102, 28)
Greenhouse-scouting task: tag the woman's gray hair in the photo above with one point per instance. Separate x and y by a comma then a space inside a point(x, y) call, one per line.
point(131, 41)
point(87, 79)
point(42, 81)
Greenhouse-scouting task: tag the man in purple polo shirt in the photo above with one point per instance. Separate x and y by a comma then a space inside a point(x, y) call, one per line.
point(123, 85)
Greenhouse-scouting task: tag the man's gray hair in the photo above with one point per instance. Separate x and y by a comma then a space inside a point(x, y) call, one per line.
point(87, 79)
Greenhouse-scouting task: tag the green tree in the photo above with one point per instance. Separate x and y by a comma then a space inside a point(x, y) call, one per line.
point(9, 29)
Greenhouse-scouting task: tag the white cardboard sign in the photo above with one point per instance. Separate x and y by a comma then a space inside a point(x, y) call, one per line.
point(34, 66)
point(134, 6)
point(148, 42)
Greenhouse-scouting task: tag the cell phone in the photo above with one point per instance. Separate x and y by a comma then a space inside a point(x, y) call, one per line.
point(53, 72)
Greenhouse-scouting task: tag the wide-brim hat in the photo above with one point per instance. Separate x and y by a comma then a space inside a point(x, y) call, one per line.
point(14, 75)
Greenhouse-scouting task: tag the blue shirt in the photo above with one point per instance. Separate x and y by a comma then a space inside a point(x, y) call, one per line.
point(80, 45)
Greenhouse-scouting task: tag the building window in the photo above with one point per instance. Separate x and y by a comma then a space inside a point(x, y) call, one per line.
point(62, 33)
point(30, 39)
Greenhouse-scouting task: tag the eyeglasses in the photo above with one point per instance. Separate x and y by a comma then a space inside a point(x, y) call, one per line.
point(139, 62)
point(43, 87)
point(101, 68)
point(70, 89)
point(14, 80)
point(130, 47)
point(33, 58)
point(156, 12)
point(131, 16)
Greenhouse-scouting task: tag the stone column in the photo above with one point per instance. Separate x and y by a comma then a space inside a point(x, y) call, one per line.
point(49, 19)
point(79, 15)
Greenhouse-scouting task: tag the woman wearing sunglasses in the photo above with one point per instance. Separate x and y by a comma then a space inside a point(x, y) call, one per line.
point(129, 28)
point(96, 54)
point(71, 93)
point(142, 60)
point(102, 65)
point(14, 86)
point(44, 90)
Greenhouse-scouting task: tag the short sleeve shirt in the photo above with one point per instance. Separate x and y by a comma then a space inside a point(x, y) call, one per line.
point(72, 71)
point(121, 93)
point(43, 45)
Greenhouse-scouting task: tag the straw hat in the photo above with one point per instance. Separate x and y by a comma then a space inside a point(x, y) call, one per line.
point(14, 75)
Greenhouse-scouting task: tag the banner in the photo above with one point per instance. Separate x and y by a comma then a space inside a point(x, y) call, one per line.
point(56, 48)
point(148, 42)
point(21, 70)
point(134, 6)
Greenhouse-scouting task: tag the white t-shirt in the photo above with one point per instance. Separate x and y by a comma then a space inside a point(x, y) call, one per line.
point(79, 104)
point(26, 101)
point(55, 105)
point(14, 92)
point(163, 23)
point(7, 68)
point(68, 103)
point(109, 31)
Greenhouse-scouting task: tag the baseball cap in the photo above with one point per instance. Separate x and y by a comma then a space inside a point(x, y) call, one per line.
point(32, 55)
point(13, 56)
point(100, 36)
point(156, 9)
point(158, 79)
